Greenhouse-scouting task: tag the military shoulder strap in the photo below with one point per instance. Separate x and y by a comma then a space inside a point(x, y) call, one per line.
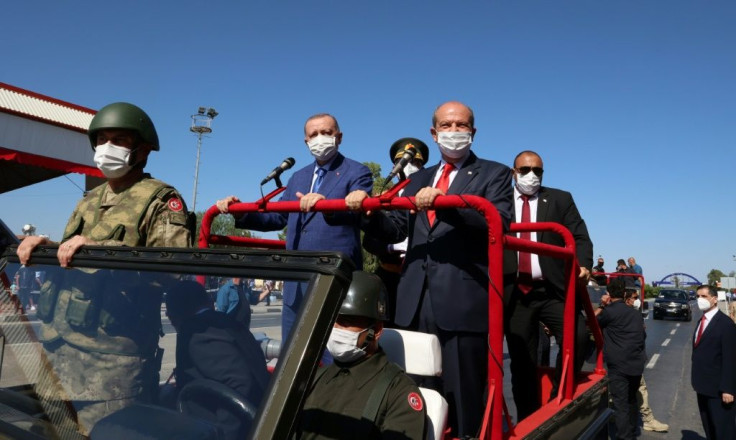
point(389, 373)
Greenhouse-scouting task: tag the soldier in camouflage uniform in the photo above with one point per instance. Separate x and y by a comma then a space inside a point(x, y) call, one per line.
point(101, 336)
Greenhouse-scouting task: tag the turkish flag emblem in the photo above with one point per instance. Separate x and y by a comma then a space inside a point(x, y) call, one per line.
point(176, 205)
point(415, 401)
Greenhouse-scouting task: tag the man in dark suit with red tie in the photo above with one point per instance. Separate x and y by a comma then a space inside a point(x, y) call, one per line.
point(444, 283)
point(714, 367)
point(534, 286)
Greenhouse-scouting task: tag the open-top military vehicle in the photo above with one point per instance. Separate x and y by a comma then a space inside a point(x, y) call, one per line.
point(30, 406)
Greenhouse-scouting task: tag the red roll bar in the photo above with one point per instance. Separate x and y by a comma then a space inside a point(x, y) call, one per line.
point(492, 428)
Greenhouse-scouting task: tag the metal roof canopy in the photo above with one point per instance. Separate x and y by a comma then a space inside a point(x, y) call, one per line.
point(42, 138)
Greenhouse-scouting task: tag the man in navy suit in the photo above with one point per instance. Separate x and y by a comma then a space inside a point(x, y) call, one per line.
point(330, 176)
point(714, 367)
point(444, 283)
point(535, 291)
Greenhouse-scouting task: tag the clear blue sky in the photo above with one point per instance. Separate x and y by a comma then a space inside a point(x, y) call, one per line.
point(631, 104)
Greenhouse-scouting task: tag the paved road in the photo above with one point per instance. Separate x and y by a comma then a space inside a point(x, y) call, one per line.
point(673, 401)
point(667, 373)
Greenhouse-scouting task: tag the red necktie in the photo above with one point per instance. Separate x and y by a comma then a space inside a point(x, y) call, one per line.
point(700, 330)
point(443, 184)
point(524, 282)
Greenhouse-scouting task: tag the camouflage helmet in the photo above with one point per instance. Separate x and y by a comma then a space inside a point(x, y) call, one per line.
point(123, 115)
point(366, 297)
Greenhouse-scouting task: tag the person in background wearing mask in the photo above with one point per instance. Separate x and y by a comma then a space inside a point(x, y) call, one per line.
point(601, 280)
point(625, 356)
point(444, 282)
point(391, 255)
point(361, 375)
point(130, 209)
point(631, 297)
point(535, 286)
point(714, 367)
point(330, 176)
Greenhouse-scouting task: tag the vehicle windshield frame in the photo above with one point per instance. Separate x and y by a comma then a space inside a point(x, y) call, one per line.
point(328, 275)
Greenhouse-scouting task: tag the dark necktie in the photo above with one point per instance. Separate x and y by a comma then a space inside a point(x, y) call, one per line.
point(700, 330)
point(524, 281)
point(318, 181)
point(442, 184)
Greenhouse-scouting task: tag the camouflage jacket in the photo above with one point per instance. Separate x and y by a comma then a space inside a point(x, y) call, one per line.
point(149, 213)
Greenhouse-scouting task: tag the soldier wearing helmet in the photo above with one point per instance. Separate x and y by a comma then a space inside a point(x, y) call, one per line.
point(130, 209)
point(362, 377)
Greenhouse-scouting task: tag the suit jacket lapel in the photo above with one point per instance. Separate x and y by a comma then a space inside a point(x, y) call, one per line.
point(462, 179)
point(335, 172)
point(465, 175)
point(542, 210)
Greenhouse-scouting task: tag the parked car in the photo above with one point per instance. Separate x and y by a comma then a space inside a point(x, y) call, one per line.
point(673, 303)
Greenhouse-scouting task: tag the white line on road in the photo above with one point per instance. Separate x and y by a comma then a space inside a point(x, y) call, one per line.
point(666, 342)
point(653, 361)
point(673, 331)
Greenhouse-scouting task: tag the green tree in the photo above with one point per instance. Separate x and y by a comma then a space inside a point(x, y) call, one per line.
point(714, 276)
point(370, 261)
point(651, 292)
point(222, 225)
point(378, 180)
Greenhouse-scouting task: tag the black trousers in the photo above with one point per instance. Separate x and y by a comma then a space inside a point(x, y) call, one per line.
point(464, 371)
point(718, 418)
point(622, 389)
point(523, 315)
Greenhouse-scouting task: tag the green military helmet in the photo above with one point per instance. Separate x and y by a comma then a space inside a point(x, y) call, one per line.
point(397, 149)
point(126, 116)
point(366, 297)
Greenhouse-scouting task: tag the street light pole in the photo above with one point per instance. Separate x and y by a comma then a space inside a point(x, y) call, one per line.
point(201, 124)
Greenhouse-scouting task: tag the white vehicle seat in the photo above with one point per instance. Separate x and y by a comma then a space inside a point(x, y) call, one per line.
point(420, 354)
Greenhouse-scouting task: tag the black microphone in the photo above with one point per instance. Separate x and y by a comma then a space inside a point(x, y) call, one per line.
point(285, 165)
point(409, 153)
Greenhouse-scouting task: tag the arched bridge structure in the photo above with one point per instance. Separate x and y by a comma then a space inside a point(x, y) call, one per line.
point(682, 279)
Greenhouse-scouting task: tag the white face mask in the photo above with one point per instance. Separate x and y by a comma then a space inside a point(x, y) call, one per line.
point(112, 160)
point(454, 144)
point(343, 345)
point(703, 304)
point(410, 169)
point(637, 303)
point(323, 147)
point(528, 184)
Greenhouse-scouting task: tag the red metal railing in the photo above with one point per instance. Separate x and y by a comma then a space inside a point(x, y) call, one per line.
point(492, 428)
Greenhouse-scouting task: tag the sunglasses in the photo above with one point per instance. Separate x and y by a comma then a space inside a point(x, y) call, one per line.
point(537, 170)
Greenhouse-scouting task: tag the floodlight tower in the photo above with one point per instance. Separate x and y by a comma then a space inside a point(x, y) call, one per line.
point(201, 124)
point(28, 229)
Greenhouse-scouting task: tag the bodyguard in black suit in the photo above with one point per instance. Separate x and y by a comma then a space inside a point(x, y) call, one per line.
point(714, 367)
point(444, 284)
point(625, 356)
point(537, 293)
